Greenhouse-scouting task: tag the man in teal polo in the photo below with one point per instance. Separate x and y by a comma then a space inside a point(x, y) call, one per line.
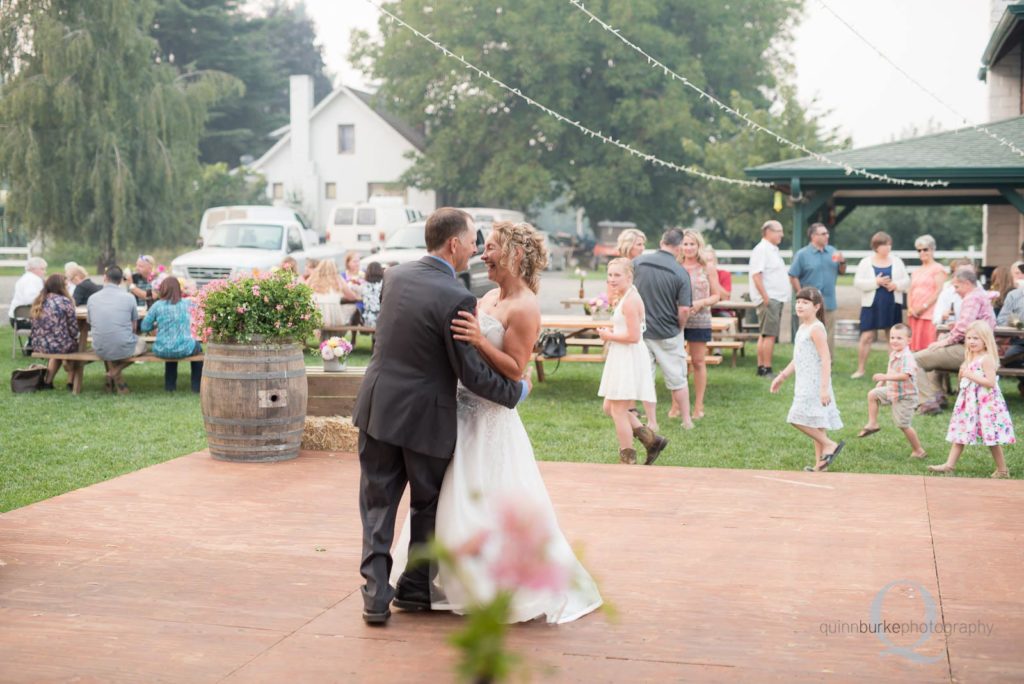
point(819, 265)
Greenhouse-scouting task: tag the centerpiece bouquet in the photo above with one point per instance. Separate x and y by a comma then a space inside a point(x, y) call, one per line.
point(599, 307)
point(258, 308)
point(334, 351)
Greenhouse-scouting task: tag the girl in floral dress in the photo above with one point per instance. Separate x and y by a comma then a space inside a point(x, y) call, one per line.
point(980, 415)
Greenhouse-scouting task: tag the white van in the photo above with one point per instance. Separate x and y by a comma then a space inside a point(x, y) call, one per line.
point(254, 212)
point(364, 228)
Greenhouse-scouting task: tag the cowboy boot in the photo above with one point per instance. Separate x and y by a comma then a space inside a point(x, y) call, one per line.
point(653, 443)
point(627, 456)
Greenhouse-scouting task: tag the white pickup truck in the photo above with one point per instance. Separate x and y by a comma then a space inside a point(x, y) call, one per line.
point(238, 247)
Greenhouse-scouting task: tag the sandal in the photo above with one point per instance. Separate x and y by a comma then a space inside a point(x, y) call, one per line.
point(944, 468)
point(1000, 475)
point(867, 432)
point(688, 426)
point(828, 458)
point(857, 375)
point(923, 454)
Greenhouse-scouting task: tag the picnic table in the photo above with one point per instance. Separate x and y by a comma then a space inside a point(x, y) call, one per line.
point(82, 315)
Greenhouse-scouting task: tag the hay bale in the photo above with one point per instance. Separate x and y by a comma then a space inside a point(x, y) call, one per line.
point(330, 433)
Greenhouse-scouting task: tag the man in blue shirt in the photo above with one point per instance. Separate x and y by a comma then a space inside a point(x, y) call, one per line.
point(819, 265)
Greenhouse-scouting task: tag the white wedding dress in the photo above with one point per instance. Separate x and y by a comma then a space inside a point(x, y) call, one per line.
point(494, 460)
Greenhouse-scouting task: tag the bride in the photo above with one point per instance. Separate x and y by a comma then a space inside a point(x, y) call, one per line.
point(493, 457)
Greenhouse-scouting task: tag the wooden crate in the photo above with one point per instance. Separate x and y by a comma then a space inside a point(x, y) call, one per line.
point(333, 394)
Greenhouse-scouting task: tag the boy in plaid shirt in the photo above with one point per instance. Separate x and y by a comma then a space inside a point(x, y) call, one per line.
point(898, 388)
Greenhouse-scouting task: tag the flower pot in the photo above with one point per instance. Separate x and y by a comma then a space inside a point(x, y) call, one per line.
point(253, 399)
point(335, 365)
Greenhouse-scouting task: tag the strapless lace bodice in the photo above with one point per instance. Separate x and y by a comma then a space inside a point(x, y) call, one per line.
point(494, 331)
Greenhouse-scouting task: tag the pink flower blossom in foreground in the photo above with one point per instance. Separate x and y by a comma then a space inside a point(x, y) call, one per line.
point(522, 561)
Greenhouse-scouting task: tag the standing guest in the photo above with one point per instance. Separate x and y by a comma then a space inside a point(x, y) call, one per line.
point(1012, 313)
point(814, 411)
point(769, 290)
point(879, 278)
point(371, 292)
point(54, 326)
point(724, 281)
point(112, 316)
point(627, 376)
point(142, 280)
point(980, 415)
point(999, 286)
point(664, 287)
point(26, 289)
point(925, 286)
point(631, 243)
point(898, 388)
point(84, 287)
point(947, 307)
point(947, 353)
point(172, 317)
point(697, 331)
point(328, 290)
point(819, 265)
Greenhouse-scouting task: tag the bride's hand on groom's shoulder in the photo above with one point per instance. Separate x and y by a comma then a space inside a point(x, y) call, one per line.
point(466, 328)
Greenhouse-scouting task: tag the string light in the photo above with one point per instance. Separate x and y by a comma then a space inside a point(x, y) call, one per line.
point(649, 158)
point(980, 129)
point(782, 140)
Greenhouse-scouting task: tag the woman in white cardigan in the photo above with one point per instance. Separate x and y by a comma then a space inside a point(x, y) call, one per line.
point(879, 278)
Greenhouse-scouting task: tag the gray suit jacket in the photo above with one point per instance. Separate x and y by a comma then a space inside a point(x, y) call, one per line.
point(407, 397)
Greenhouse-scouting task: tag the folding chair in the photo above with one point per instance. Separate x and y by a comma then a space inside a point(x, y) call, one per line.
point(21, 335)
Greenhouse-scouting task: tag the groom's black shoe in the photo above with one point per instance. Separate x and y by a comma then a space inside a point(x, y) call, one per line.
point(412, 601)
point(376, 618)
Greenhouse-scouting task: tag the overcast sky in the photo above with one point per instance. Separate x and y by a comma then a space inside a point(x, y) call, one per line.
point(938, 42)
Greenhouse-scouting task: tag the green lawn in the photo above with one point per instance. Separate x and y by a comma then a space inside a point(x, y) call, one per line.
point(53, 442)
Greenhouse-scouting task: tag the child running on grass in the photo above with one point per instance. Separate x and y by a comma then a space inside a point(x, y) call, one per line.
point(814, 409)
point(980, 415)
point(898, 387)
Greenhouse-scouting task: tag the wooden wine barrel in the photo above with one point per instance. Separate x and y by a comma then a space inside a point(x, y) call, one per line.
point(253, 398)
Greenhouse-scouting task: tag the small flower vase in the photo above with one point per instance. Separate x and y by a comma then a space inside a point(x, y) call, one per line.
point(601, 314)
point(334, 365)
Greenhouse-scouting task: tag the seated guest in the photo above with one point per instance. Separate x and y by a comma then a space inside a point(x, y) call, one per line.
point(947, 306)
point(371, 290)
point(328, 290)
point(173, 320)
point(84, 287)
point(999, 285)
point(1012, 313)
point(142, 280)
point(54, 326)
point(68, 267)
point(307, 272)
point(26, 289)
point(947, 353)
point(112, 316)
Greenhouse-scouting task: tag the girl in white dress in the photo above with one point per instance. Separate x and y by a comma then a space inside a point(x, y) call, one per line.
point(627, 376)
point(814, 411)
point(493, 460)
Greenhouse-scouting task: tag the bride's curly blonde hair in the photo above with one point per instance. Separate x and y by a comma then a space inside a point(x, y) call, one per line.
point(524, 238)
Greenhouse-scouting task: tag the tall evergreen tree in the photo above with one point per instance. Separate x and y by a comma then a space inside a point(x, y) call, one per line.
point(99, 140)
point(261, 50)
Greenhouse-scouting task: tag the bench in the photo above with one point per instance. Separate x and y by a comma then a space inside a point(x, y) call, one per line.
point(733, 345)
point(539, 360)
point(76, 362)
point(342, 330)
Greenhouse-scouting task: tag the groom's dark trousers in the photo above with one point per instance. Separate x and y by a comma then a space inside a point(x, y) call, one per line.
point(405, 413)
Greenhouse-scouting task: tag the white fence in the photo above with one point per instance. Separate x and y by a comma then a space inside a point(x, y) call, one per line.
point(741, 257)
point(22, 252)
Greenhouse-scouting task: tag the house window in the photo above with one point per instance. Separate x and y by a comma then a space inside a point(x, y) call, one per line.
point(330, 191)
point(385, 190)
point(346, 139)
point(278, 190)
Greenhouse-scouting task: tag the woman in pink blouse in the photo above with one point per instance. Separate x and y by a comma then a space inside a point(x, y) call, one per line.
point(925, 286)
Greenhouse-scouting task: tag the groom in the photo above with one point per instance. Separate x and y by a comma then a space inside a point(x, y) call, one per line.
point(405, 410)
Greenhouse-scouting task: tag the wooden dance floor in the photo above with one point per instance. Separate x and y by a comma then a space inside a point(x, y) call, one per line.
point(201, 571)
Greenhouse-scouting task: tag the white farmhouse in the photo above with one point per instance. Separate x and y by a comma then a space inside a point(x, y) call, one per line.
point(344, 151)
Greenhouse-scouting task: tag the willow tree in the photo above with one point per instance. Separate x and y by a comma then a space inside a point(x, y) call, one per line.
point(99, 140)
